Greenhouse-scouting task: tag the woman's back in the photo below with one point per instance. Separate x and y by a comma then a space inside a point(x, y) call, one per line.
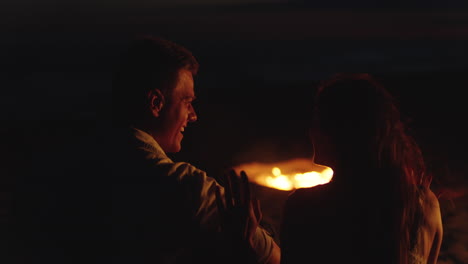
point(332, 224)
point(327, 224)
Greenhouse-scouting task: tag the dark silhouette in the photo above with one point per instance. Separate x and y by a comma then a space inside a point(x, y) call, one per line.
point(164, 211)
point(379, 207)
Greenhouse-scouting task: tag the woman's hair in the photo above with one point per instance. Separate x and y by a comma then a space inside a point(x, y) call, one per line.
point(356, 112)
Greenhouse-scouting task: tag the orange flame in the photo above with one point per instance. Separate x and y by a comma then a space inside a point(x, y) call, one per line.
point(301, 173)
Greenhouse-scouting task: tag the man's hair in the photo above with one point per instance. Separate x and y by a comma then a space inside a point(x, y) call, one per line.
point(149, 63)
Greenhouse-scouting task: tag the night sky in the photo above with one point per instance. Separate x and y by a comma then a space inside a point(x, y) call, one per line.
point(259, 64)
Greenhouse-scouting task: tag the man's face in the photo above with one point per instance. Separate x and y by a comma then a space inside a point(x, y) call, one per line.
point(176, 113)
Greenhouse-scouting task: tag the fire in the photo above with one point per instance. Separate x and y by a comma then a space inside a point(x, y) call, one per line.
point(298, 173)
point(299, 180)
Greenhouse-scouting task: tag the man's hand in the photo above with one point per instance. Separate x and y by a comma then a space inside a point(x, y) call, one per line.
point(240, 213)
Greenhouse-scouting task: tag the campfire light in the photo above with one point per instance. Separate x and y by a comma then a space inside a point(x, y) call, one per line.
point(298, 173)
point(298, 180)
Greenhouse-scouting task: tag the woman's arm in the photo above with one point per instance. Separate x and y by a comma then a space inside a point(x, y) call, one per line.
point(435, 222)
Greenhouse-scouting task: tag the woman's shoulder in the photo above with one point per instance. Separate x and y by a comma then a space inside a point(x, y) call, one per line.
point(429, 199)
point(303, 205)
point(431, 229)
point(320, 196)
point(309, 193)
point(431, 207)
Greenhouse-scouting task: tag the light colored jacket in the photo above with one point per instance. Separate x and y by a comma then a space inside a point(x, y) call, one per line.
point(180, 192)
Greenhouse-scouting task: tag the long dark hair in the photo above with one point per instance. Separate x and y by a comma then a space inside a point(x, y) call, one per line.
point(371, 124)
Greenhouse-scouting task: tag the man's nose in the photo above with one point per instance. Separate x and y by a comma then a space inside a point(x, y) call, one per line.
point(192, 116)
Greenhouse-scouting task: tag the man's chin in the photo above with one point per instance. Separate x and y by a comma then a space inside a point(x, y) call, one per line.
point(175, 148)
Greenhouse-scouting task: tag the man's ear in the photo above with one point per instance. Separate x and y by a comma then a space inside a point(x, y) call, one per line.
point(156, 100)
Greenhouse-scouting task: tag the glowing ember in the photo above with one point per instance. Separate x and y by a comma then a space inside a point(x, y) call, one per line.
point(298, 173)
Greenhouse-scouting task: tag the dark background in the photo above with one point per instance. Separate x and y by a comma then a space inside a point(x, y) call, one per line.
point(260, 62)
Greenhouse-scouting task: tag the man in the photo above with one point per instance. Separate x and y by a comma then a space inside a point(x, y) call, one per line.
point(165, 211)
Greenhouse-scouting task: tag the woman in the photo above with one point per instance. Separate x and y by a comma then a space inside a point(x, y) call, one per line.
point(378, 208)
